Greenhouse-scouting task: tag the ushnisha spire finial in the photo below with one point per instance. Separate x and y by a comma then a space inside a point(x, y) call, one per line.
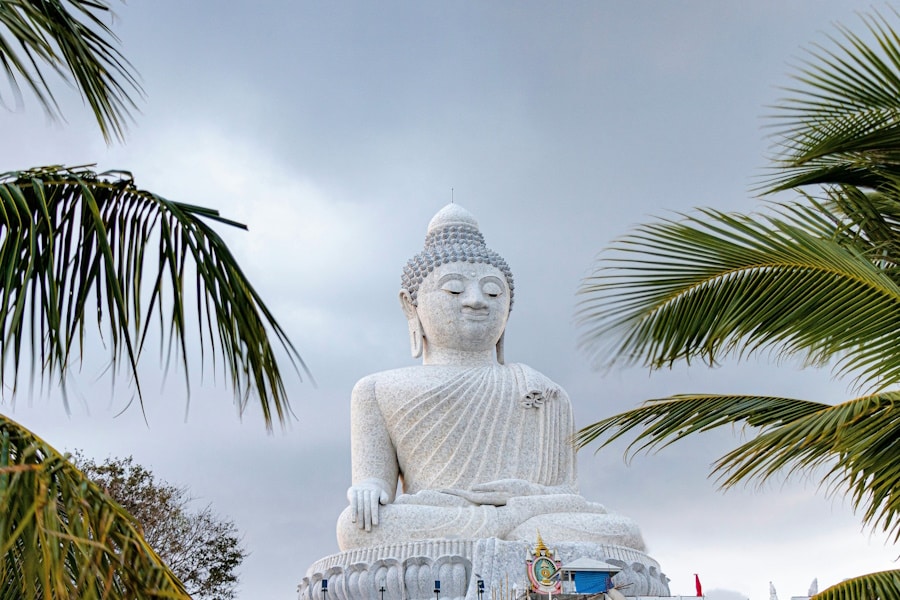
point(453, 236)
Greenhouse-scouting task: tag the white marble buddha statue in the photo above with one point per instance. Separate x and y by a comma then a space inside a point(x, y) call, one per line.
point(479, 448)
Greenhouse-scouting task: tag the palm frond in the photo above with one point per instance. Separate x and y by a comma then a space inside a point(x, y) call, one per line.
point(884, 585)
point(718, 284)
point(69, 37)
point(76, 245)
point(841, 125)
point(858, 441)
point(61, 537)
point(663, 421)
point(870, 222)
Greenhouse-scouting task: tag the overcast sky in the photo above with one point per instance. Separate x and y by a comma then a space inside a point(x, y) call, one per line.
point(335, 130)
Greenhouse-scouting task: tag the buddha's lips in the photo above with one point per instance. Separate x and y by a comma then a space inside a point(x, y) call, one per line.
point(476, 314)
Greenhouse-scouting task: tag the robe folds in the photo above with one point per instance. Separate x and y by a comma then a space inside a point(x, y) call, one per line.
point(471, 426)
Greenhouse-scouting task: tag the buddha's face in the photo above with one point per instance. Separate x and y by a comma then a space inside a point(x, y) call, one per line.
point(463, 306)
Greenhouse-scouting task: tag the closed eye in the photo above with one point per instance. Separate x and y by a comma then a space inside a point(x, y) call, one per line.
point(453, 286)
point(491, 289)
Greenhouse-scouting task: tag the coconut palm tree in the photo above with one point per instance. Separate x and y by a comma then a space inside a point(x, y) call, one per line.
point(817, 279)
point(80, 252)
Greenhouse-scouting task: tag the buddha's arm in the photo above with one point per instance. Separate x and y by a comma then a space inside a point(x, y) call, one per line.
point(374, 460)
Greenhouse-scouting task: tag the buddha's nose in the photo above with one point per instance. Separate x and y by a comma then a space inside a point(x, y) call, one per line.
point(474, 298)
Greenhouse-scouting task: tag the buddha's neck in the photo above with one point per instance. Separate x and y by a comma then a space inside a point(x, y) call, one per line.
point(461, 358)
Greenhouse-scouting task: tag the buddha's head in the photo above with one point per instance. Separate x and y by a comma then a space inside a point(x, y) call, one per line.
point(456, 293)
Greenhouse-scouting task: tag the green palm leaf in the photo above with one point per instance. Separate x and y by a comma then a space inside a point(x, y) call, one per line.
point(841, 125)
point(70, 37)
point(662, 421)
point(77, 247)
point(856, 442)
point(718, 284)
point(870, 223)
point(884, 585)
point(61, 537)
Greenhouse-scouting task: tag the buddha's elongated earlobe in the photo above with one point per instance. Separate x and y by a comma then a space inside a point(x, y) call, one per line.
point(416, 337)
point(500, 357)
point(416, 334)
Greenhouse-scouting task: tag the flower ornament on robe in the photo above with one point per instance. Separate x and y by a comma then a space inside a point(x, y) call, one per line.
point(533, 387)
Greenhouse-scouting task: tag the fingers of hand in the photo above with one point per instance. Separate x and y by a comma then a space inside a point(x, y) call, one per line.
point(354, 504)
point(364, 505)
point(368, 514)
point(377, 499)
point(361, 509)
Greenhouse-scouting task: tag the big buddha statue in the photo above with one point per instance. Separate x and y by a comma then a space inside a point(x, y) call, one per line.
point(462, 462)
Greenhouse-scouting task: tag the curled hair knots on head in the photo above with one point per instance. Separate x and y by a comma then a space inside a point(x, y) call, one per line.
point(453, 236)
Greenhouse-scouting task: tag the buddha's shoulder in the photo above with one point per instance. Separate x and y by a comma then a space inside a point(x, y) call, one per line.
point(404, 379)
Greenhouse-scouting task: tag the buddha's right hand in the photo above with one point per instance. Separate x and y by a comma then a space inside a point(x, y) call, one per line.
point(365, 499)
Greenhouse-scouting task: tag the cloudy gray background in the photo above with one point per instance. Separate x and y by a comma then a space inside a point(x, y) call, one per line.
point(335, 130)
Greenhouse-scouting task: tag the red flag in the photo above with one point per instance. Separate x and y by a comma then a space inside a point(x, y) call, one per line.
point(697, 585)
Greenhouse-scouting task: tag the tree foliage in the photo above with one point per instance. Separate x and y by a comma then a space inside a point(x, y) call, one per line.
point(816, 279)
point(202, 549)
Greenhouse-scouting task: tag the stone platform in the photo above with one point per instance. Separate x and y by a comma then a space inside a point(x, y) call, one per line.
point(408, 571)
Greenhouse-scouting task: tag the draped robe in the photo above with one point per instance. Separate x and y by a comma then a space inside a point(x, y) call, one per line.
point(446, 434)
point(482, 424)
